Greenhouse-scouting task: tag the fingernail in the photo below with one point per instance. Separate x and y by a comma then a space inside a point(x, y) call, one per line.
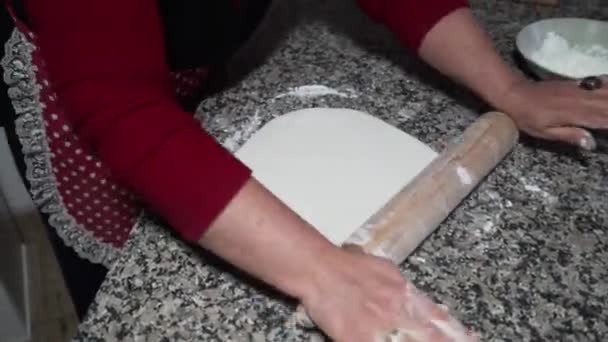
point(588, 142)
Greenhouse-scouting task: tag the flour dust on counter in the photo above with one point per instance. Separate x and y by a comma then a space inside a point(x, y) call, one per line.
point(317, 90)
point(334, 167)
point(533, 188)
point(233, 142)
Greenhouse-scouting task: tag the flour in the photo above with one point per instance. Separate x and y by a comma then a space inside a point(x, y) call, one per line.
point(532, 187)
point(558, 55)
point(418, 259)
point(488, 226)
point(233, 142)
point(406, 114)
point(316, 90)
point(463, 174)
point(536, 189)
point(491, 211)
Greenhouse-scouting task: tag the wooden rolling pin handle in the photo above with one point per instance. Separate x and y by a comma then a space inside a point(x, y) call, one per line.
point(398, 228)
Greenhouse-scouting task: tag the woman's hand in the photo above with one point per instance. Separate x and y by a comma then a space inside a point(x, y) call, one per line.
point(361, 298)
point(353, 297)
point(557, 110)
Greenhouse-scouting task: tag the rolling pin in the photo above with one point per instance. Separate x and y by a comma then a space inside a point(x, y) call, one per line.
point(406, 220)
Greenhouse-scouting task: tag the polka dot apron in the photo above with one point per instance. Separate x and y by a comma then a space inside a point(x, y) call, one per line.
point(89, 209)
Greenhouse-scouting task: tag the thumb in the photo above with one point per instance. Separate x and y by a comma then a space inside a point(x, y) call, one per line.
point(572, 135)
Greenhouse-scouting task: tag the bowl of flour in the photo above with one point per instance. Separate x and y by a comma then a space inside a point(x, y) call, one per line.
point(565, 48)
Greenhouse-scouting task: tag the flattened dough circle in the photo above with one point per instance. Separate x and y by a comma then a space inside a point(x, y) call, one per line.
point(334, 167)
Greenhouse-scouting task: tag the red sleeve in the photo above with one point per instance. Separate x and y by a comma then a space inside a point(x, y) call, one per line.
point(106, 59)
point(410, 20)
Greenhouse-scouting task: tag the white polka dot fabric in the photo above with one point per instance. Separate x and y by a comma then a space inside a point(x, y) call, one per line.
point(91, 196)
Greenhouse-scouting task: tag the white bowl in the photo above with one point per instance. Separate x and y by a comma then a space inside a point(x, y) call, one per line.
point(577, 31)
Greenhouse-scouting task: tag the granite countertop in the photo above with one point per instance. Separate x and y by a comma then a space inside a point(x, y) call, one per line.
point(524, 258)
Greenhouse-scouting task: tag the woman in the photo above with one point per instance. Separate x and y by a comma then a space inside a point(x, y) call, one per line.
point(108, 90)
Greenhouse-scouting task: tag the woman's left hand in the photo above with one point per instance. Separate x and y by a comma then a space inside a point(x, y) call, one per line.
point(557, 110)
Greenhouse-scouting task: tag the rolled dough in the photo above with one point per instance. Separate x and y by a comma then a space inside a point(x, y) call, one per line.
point(334, 167)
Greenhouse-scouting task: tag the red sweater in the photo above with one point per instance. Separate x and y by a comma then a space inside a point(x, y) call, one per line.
point(176, 167)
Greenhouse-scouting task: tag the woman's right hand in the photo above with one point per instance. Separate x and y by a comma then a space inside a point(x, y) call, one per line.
point(351, 296)
point(362, 298)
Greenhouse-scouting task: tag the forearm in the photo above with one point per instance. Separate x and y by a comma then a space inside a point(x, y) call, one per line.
point(460, 49)
point(260, 235)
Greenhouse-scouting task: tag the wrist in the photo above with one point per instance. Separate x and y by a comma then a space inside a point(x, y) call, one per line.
point(502, 96)
point(310, 282)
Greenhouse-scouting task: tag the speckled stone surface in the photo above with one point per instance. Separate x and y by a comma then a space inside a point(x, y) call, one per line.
point(524, 258)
